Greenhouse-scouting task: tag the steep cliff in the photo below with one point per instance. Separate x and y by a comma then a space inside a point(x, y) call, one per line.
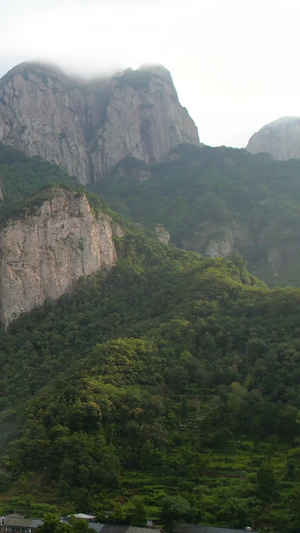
point(280, 138)
point(45, 248)
point(89, 127)
point(219, 240)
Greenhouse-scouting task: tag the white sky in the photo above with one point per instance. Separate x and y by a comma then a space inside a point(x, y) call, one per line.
point(235, 63)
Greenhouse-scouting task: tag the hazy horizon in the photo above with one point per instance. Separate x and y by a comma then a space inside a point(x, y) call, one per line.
point(234, 64)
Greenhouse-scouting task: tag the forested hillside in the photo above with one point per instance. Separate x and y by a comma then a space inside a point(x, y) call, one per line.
point(173, 377)
point(22, 176)
point(218, 201)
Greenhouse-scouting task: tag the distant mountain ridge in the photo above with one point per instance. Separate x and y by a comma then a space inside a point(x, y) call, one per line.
point(280, 138)
point(218, 201)
point(88, 127)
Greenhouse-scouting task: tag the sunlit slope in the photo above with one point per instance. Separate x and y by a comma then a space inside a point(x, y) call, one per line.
point(150, 371)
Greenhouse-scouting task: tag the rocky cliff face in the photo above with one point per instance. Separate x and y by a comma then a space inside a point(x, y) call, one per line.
point(44, 251)
point(89, 127)
point(280, 138)
point(162, 234)
point(212, 240)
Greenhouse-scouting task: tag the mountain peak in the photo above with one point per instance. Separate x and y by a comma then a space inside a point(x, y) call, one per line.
point(280, 138)
point(33, 67)
point(157, 70)
point(89, 127)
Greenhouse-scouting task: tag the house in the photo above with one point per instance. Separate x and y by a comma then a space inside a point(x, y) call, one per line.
point(14, 523)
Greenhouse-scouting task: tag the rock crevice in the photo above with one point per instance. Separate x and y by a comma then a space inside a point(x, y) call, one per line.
point(89, 127)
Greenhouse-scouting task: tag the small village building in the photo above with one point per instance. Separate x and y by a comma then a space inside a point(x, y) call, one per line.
point(15, 523)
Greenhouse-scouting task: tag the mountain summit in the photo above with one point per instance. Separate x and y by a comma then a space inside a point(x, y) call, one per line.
point(88, 127)
point(281, 138)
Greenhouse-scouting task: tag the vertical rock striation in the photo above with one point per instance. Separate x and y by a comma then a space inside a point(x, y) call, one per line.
point(89, 127)
point(45, 250)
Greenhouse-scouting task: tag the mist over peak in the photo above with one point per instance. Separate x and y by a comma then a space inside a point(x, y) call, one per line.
point(88, 127)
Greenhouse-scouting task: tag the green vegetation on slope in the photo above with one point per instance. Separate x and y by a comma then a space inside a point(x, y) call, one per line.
point(209, 195)
point(22, 176)
point(173, 376)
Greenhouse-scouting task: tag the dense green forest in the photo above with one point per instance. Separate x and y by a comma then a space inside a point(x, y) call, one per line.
point(218, 198)
point(22, 176)
point(174, 377)
point(170, 384)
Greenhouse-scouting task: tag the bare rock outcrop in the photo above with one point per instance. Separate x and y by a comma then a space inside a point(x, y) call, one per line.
point(46, 249)
point(280, 138)
point(162, 234)
point(89, 127)
point(213, 240)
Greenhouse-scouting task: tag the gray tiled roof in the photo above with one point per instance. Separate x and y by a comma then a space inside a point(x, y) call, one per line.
point(133, 529)
point(193, 528)
point(18, 522)
point(114, 528)
point(96, 526)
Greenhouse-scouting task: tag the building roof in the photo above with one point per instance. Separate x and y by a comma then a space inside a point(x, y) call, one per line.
point(83, 516)
point(96, 526)
point(194, 528)
point(114, 528)
point(18, 522)
point(133, 529)
point(21, 522)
